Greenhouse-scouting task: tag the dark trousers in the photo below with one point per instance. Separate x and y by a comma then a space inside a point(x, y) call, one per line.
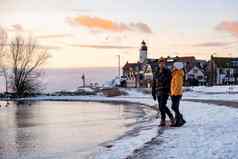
point(162, 100)
point(175, 106)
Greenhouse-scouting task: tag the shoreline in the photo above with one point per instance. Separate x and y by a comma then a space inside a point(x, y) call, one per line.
point(119, 100)
point(227, 103)
point(101, 99)
point(135, 130)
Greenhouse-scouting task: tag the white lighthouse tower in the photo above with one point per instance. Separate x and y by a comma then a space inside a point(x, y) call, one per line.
point(143, 52)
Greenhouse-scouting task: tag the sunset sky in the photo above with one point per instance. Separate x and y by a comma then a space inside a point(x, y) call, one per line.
point(91, 33)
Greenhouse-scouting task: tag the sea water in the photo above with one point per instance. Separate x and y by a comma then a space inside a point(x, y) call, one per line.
point(70, 79)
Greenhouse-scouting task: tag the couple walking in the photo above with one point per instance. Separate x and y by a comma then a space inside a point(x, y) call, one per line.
point(169, 83)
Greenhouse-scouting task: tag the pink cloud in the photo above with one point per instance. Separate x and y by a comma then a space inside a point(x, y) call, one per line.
point(103, 46)
point(212, 44)
point(229, 26)
point(141, 27)
point(108, 25)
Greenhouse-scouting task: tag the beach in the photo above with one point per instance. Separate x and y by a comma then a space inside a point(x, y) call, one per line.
point(70, 79)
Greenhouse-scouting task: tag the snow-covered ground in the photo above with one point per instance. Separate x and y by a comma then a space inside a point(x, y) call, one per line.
point(125, 146)
point(197, 95)
point(215, 89)
point(227, 93)
point(210, 132)
point(134, 95)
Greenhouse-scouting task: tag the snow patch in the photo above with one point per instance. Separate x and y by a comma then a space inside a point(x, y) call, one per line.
point(209, 133)
point(125, 147)
point(86, 89)
point(215, 89)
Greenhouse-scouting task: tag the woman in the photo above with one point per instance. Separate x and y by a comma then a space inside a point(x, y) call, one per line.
point(177, 92)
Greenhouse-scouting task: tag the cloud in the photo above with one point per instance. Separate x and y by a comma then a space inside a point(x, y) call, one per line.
point(49, 47)
point(17, 27)
point(14, 28)
point(49, 36)
point(229, 26)
point(103, 46)
point(141, 27)
point(212, 44)
point(98, 23)
point(108, 25)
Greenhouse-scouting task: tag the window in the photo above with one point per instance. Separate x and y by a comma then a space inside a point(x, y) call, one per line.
point(200, 77)
point(235, 72)
point(221, 71)
point(228, 72)
point(195, 70)
point(235, 63)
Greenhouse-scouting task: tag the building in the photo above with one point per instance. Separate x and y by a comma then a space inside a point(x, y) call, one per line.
point(130, 72)
point(216, 71)
point(195, 69)
point(138, 74)
point(223, 71)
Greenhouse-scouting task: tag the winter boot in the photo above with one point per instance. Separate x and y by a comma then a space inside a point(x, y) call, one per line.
point(179, 121)
point(182, 121)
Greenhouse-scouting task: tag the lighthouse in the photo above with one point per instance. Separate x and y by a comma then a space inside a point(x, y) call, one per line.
point(143, 52)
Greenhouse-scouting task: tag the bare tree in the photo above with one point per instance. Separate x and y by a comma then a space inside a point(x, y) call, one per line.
point(26, 57)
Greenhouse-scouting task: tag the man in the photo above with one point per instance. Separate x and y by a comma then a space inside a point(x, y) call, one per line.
point(176, 92)
point(161, 90)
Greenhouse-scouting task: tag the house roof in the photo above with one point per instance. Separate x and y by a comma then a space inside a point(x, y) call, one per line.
point(225, 62)
point(134, 66)
point(185, 58)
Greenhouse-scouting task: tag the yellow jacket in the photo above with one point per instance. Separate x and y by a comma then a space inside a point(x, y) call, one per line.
point(177, 83)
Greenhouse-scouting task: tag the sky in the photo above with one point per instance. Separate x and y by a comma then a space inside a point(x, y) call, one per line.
point(92, 33)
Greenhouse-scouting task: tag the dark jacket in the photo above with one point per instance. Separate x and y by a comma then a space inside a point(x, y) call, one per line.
point(161, 82)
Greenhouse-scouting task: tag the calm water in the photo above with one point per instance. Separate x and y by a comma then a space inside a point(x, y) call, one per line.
point(61, 129)
point(70, 79)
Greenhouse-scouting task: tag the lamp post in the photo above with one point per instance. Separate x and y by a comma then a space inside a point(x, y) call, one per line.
point(212, 69)
point(119, 66)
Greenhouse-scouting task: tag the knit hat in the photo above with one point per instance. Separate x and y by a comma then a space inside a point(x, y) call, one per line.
point(178, 65)
point(162, 60)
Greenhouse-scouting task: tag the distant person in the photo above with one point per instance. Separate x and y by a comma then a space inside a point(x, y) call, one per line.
point(161, 89)
point(176, 92)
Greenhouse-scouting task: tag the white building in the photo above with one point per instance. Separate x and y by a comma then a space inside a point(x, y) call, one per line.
point(223, 70)
point(196, 74)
